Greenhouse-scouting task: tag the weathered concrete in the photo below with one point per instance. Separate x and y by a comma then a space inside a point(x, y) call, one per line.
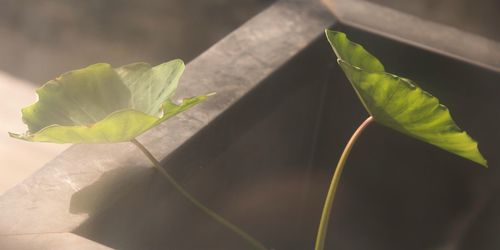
point(265, 164)
point(260, 152)
point(479, 17)
point(419, 31)
point(43, 39)
point(49, 241)
point(232, 67)
point(19, 159)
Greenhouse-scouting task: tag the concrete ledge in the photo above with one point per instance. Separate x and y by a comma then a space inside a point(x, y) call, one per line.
point(418, 32)
point(14, 163)
point(49, 241)
point(232, 67)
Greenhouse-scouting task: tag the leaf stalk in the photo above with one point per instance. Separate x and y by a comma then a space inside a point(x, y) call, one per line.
point(170, 179)
point(325, 215)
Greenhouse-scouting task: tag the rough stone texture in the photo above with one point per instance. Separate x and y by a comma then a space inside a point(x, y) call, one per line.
point(266, 159)
point(265, 163)
point(418, 31)
point(232, 67)
point(49, 241)
point(43, 39)
point(479, 17)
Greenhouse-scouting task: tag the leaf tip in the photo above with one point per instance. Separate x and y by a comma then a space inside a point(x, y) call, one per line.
point(330, 32)
point(19, 136)
point(14, 135)
point(479, 158)
point(178, 62)
point(484, 162)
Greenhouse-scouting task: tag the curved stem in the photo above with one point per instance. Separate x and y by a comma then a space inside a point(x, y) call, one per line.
point(255, 243)
point(325, 216)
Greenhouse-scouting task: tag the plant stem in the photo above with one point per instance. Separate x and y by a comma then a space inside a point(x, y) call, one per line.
point(325, 216)
point(255, 243)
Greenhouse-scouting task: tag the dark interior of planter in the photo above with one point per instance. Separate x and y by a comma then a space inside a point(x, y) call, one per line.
point(265, 165)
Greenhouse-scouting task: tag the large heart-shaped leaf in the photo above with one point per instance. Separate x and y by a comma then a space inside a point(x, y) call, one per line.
point(99, 104)
point(399, 103)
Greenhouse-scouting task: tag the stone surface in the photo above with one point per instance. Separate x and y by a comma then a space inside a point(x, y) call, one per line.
point(19, 159)
point(43, 39)
point(419, 30)
point(260, 153)
point(265, 163)
point(233, 67)
point(49, 241)
point(479, 17)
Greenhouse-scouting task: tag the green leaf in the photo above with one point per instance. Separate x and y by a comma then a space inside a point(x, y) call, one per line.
point(147, 84)
point(99, 104)
point(82, 96)
point(399, 103)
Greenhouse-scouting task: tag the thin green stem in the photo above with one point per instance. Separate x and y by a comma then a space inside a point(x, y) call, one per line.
point(327, 208)
point(255, 243)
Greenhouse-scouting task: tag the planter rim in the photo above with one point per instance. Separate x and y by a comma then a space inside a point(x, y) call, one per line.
point(40, 205)
point(416, 31)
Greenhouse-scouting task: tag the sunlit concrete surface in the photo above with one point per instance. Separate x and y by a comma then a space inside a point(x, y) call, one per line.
point(49, 241)
point(19, 159)
point(40, 40)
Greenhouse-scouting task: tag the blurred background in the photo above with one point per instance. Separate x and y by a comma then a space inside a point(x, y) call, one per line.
point(40, 40)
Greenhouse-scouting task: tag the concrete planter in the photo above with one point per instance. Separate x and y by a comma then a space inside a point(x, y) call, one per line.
point(261, 154)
